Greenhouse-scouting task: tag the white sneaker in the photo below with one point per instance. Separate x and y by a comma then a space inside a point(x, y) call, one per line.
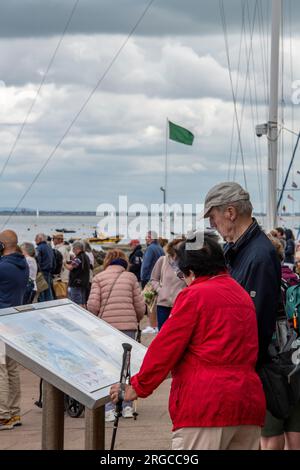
point(109, 416)
point(127, 412)
point(149, 330)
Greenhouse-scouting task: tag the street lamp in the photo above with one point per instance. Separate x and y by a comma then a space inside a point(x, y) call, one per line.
point(164, 194)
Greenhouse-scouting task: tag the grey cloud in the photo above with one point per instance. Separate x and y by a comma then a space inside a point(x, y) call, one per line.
point(164, 68)
point(31, 18)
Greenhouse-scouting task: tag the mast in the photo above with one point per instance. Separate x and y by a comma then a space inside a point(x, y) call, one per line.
point(273, 116)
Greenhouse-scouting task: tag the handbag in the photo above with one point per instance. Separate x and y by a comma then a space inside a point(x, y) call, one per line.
point(281, 376)
point(41, 282)
point(60, 289)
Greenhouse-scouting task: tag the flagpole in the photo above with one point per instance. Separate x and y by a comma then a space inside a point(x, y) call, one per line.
point(166, 175)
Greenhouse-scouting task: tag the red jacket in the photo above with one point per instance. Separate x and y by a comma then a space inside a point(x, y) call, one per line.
point(210, 344)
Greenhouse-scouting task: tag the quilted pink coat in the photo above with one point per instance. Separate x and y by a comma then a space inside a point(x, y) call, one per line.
point(125, 305)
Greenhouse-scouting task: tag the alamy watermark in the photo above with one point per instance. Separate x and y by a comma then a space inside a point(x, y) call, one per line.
point(166, 221)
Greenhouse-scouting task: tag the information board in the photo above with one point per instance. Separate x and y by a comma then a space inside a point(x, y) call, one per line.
point(65, 344)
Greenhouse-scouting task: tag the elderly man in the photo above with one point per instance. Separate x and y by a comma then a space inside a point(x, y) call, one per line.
point(45, 258)
point(250, 256)
point(14, 276)
point(153, 252)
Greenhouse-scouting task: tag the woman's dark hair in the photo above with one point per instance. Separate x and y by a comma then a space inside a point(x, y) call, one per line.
point(207, 261)
point(289, 234)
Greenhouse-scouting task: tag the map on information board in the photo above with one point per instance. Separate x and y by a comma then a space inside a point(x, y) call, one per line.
point(71, 343)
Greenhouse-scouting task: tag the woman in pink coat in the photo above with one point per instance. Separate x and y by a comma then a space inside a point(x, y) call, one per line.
point(117, 299)
point(210, 344)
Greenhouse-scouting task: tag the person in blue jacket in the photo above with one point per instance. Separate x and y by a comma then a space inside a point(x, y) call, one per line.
point(46, 262)
point(153, 252)
point(251, 258)
point(14, 276)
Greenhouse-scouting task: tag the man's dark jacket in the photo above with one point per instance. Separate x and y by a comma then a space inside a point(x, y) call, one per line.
point(254, 264)
point(135, 261)
point(45, 257)
point(14, 275)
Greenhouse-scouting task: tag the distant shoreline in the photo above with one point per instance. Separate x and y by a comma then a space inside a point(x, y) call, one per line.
point(93, 214)
point(48, 213)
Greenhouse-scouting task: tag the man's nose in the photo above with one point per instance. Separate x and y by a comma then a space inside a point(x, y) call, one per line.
point(212, 224)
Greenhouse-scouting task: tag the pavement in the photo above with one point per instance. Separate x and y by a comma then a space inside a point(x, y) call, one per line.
point(151, 430)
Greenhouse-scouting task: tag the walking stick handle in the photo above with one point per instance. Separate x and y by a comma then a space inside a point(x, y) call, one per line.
point(124, 376)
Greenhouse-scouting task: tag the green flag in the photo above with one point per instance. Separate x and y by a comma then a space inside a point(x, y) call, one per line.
point(180, 134)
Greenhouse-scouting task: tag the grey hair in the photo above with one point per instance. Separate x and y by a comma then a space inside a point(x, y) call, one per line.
point(243, 208)
point(29, 248)
point(78, 244)
point(153, 235)
point(42, 236)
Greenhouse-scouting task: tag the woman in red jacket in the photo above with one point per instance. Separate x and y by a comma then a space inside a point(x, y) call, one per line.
point(210, 344)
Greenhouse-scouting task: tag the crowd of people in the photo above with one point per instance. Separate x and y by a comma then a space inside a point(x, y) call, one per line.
point(213, 310)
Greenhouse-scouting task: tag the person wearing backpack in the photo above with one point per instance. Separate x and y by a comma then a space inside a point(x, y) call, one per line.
point(60, 272)
point(280, 434)
point(45, 260)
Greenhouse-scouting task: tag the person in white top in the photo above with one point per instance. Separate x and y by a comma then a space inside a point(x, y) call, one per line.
point(28, 251)
point(61, 280)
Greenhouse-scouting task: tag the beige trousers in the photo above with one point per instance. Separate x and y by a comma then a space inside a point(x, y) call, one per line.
point(229, 438)
point(10, 389)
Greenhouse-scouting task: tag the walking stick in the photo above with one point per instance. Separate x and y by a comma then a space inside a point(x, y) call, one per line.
point(124, 378)
point(39, 402)
point(139, 340)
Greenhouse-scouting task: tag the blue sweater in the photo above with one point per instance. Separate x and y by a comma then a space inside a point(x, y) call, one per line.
point(14, 275)
point(152, 254)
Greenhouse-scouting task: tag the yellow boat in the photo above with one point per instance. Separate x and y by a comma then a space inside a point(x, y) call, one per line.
point(102, 239)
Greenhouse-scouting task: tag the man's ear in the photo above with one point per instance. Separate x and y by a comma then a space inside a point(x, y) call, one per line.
point(232, 213)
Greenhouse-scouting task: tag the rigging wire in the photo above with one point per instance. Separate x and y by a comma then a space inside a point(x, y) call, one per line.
point(39, 89)
point(292, 80)
point(224, 25)
point(83, 106)
point(256, 148)
point(248, 55)
point(237, 87)
point(263, 54)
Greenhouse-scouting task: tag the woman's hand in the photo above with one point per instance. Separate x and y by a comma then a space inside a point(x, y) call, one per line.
point(130, 393)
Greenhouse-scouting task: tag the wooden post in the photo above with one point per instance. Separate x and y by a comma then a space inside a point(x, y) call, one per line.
point(53, 418)
point(95, 429)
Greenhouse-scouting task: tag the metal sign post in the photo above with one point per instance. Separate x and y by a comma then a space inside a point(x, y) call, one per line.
point(53, 418)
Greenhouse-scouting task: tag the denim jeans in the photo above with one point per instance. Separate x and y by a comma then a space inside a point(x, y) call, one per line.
point(47, 295)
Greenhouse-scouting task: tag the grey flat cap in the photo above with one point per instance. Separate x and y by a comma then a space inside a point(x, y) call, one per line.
point(224, 193)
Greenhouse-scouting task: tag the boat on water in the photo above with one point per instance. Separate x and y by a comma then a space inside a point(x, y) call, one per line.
point(103, 238)
point(64, 230)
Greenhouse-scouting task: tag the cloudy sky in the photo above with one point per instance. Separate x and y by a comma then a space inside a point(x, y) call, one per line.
point(174, 65)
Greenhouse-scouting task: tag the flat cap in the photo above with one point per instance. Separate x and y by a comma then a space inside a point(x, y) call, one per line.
point(224, 193)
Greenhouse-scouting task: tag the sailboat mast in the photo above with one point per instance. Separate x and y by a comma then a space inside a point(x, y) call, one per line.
point(273, 116)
